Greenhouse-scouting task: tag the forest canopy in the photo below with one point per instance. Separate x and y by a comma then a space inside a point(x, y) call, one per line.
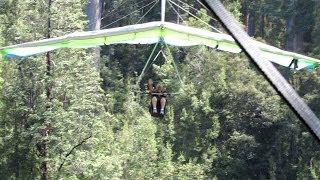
point(77, 114)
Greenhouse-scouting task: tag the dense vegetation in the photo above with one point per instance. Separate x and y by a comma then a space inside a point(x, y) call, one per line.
point(62, 116)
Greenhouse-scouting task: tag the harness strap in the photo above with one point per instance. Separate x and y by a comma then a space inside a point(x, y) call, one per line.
point(174, 64)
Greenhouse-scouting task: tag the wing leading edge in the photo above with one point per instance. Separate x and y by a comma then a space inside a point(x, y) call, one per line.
point(153, 32)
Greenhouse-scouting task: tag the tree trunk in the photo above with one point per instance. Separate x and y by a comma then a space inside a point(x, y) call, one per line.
point(294, 40)
point(290, 34)
point(251, 23)
point(43, 145)
point(249, 19)
point(94, 12)
point(109, 50)
point(262, 25)
point(107, 10)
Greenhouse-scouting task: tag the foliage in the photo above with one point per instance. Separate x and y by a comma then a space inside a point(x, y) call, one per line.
point(227, 122)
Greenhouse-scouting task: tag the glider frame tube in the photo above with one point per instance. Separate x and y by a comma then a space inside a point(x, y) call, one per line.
point(272, 74)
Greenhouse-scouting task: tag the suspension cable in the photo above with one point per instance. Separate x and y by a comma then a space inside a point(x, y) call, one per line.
point(174, 9)
point(114, 10)
point(198, 10)
point(120, 10)
point(173, 62)
point(145, 67)
point(128, 14)
point(150, 64)
point(148, 11)
point(195, 16)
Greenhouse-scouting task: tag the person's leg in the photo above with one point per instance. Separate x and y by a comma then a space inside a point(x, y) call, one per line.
point(163, 104)
point(154, 101)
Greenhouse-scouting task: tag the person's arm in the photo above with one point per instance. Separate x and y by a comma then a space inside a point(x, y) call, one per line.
point(164, 91)
point(150, 85)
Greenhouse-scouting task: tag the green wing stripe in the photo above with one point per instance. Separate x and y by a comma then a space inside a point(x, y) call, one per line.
point(150, 33)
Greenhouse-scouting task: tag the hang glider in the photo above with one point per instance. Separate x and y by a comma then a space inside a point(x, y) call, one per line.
point(151, 33)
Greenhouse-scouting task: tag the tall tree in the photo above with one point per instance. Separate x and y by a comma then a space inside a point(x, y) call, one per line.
point(94, 12)
point(226, 122)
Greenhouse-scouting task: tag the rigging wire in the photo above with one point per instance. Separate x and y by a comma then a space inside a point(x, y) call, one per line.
point(174, 9)
point(123, 9)
point(203, 6)
point(174, 64)
point(153, 61)
point(114, 10)
point(122, 3)
point(195, 16)
point(198, 10)
point(145, 67)
point(148, 11)
point(128, 14)
point(148, 67)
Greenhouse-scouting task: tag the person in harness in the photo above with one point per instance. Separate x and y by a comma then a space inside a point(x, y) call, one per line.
point(158, 97)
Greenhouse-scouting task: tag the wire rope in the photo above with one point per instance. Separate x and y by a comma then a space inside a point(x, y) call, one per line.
point(145, 67)
point(173, 62)
point(128, 15)
point(195, 16)
point(198, 10)
point(109, 13)
point(153, 61)
point(124, 9)
point(203, 5)
point(148, 11)
point(174, 9)
point(115, 10)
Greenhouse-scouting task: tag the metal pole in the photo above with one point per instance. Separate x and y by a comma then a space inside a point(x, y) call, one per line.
point(271, 73)
point(163, 10)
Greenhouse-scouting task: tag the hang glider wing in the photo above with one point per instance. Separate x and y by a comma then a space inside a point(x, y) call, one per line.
point(153, 32)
